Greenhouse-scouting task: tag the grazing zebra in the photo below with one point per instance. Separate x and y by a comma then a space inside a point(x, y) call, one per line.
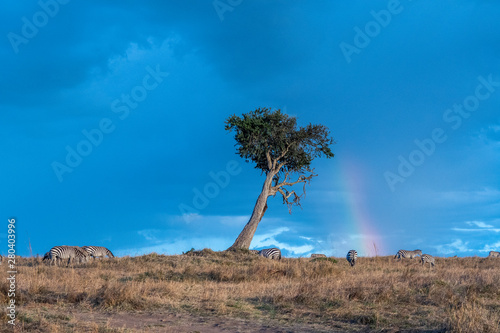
point(98, 251)
point(494, 254)
point(67, 252)
point(272, 253)
point(407, 254)
point(318, 255)
point(427, 258)
point(352, 256)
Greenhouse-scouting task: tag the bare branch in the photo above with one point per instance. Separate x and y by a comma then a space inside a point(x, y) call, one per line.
point(301, 179)
point(286, 195)
point(290, 198)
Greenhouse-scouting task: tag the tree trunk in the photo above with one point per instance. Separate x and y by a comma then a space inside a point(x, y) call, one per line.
point(245, 238)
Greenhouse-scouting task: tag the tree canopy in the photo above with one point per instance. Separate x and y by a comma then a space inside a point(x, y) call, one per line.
point(264, 135)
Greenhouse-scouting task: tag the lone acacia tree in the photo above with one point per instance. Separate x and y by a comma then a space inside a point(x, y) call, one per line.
point(280, 149)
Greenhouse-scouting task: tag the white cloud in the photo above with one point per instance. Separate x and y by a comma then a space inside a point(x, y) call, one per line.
point(297, 250)
point(159, 243)
point(233, 220)
point(178, 246)
point(188, 218)
point(270, 235)
point(492, 247)
point(490, 135)
point(479, 224)
point(268, 239)
point(336, 245)
point(482, 227)
point(214, 243)
point(475, 230)
point(148, 234)
point(484, 195)
point(456, 246)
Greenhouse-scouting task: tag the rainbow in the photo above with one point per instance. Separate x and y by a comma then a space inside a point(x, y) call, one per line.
point(361, 228)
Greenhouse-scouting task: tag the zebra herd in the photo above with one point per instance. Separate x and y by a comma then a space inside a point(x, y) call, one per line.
point(352, 255)
point(76, 253)
point(424, 258)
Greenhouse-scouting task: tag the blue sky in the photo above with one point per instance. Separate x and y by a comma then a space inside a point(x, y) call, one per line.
point(112, 123)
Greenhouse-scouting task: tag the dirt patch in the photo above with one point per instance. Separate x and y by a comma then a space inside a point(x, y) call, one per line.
point(181, 323)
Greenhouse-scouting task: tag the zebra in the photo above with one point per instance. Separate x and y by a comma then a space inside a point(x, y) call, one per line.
point(351, 257)
point(408, 254)
point(318, 255)
point(427, 258)
point(67, 252)
point(98, 251)
point(272, 253)
point(494, 254)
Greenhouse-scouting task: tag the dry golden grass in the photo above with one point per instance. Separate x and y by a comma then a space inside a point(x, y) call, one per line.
point(378, 294)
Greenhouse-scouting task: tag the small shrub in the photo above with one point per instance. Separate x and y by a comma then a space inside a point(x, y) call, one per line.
point(323, 259)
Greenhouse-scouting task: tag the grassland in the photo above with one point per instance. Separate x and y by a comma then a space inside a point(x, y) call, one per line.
point(206, 291)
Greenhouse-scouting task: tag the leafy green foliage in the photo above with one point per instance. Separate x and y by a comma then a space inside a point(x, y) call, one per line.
point(264, 131)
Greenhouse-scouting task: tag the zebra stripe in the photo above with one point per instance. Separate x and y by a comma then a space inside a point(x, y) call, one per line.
point(427, 258)
point(494, 254)
point(317, 255)
point(98, 251)
point(67, 252)
point(351, 257)
point(272, 253)
point(408, 254)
